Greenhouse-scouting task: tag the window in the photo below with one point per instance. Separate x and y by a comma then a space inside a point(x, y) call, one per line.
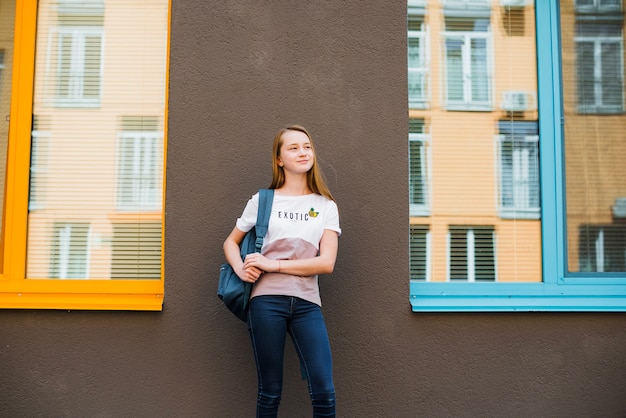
point(471, 254)
point(419, 254)
point(85, 173)
point(593, 139)
point(467, 63)
point(603, 248)
point(76, 52)
point(418, 61)
point(418, 168)
point(599, 65)
point(78, 79)
point(526, 199)
point(140, 161)
point(518, 170)
point(70, 252)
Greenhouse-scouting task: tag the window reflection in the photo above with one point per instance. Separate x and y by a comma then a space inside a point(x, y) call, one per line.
point(7, 25)
point(595, 146)
point(96, 166)
point(473, 141)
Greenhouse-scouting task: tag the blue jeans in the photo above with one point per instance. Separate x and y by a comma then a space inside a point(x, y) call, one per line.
point(270, 318)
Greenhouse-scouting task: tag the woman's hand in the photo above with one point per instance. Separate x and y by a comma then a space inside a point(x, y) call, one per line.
point(250, 274)
point(256, 263)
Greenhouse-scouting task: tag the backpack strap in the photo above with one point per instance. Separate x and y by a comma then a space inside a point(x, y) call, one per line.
point(266, 198)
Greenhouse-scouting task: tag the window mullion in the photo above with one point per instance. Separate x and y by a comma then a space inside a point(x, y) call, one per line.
point(18, 153)
point(471, 255)
point(551, 142)
point(467, 68)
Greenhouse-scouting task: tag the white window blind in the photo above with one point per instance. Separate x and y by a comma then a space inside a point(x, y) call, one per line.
point(96, 176)
point(419, 255)
point(474, 201)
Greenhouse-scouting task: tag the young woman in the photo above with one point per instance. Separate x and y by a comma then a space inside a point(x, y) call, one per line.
point(301, 242)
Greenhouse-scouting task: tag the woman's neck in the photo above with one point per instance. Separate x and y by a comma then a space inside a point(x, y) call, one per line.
point(295, 186)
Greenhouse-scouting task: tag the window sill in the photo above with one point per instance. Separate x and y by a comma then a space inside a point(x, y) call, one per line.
point(516, 297)
point(419, 210)
point(418, 105)
point(77, 103)
point(131, 295)
point(468, 107)
point(601, 111)
point(520, 213)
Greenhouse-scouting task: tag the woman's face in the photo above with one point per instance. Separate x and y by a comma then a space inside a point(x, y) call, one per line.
point(296, 152)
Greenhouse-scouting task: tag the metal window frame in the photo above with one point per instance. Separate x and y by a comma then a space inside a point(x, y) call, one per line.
point(558, 291)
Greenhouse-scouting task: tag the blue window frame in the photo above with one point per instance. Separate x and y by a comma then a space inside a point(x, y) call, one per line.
point(559, 290)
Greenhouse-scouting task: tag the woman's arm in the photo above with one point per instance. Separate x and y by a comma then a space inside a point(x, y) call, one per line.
point(232, 252)
point(324, 263)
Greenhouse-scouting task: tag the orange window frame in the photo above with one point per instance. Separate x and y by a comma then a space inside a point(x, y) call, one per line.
point(15, 290)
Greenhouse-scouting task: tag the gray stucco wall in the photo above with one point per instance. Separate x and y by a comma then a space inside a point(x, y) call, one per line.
point(239, 71)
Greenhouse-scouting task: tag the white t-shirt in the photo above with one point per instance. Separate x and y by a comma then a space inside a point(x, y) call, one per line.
point(295, 229)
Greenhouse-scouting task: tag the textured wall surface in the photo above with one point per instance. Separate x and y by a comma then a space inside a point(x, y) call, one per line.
point(240, 70)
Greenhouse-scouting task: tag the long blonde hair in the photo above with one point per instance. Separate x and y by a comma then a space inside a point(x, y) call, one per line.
point(315, 179)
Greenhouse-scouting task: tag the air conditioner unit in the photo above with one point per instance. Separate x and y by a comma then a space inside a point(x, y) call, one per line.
point(514, 3)
point(619, 209)
point(516, 101)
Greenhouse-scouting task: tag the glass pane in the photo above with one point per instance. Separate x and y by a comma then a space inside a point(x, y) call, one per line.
point(474, 190)
point(417, 70)
point(7, 26)
point(419, 253)
point(480, 65)
point(595, 145)
point(96, 178)
point(585, 73)
point(611, 79)
point(416, 173)
point(454, 65)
